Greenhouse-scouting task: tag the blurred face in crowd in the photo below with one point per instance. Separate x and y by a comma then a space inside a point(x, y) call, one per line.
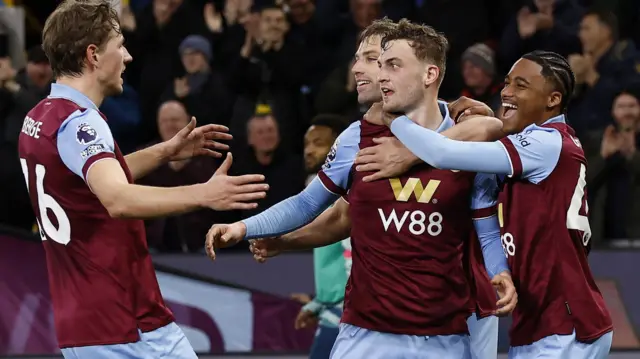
point(364, 12)
point(263, 134)
point(526, 96)
point(301, 11)
point(39, 74)
point(403, 77)
point(194, 61)
point(111, 62)
point(474, 76)
point(626, 111)
point(365, 69)
point(593, 34)
point(273, 25)
point(172, 117)
point(317, 143)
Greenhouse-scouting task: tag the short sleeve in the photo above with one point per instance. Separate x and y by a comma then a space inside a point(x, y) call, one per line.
point(484, 196)
point(84, 138)
point(335, 172)
point(533, 153)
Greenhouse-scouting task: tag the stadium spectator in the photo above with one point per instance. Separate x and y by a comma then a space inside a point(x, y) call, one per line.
point(605, 66)
point(479, 74)
point(541, 25)
point(283, 171)
point(614, 171)
point(201, 86)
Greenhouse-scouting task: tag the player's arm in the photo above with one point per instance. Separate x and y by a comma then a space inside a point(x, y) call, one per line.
point(94, 161)
point(332, 182)
point(531, 155)
point(332, 226)
point(144, 161)
point(485, 221)
point(477, 128)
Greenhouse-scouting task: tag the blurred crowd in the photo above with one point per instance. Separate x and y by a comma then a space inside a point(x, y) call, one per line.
point(277, 73)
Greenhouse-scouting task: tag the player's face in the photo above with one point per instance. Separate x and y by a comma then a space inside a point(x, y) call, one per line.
point(111, 64)
point(365, 69)
point(403, 77)
point(317, 143)
point(526, 96)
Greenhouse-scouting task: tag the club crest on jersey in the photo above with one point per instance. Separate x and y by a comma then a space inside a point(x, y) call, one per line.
point(331, 156)
point(86, 134)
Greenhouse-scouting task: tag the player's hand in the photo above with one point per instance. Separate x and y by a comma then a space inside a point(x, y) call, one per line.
point(388, 158)
point(194, 141)
point(223, 192)
point(305, 319)
point(265, 248)
point(377, 116)
point(224, 235)
point(302, 298)
point(507, 292)
point(465, 108)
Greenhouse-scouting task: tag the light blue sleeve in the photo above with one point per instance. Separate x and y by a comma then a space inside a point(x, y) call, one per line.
point(488, 230)
point(292, 213)
point(538, 150)
point(83, 138)
point(444, 153)
point(336, 171)
point(485, 191)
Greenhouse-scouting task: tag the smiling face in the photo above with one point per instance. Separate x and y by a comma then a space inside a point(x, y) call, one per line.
point(527, 96)
point(365, 69)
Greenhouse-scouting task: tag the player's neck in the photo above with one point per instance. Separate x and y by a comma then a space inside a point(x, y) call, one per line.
point(547, 116)
point(85, 87)
point(427, 114)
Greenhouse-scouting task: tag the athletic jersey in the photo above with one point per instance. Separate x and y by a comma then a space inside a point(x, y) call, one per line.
point(407, 239)
point(102, 281)
point(546, 236)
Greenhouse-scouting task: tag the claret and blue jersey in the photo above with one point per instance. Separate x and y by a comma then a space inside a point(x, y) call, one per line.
point(543, 217)
point(407, 236)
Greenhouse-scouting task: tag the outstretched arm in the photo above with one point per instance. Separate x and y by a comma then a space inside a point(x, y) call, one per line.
point(330, 227)
point(292, 213)
point(442, 152)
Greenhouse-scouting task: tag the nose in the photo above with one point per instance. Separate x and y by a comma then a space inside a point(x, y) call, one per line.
point(507, 92)
point(127, 56)
point(383, 77)
point(356, 69)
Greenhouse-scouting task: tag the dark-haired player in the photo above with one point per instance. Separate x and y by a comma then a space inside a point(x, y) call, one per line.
point(408, 293)
point(106, 299)
point(542, 207)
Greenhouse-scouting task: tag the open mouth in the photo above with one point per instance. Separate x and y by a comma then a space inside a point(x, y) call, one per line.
point(509, 110)
point(386, 93)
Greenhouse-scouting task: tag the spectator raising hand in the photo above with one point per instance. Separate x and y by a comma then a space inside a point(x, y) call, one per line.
point(212, 18)
point(127, 19)
point(527, 23)
point(611, 143)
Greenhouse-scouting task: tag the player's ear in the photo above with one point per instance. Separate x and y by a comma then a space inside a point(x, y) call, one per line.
point(431, 73)
point(92, 55)
point(554, 99)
